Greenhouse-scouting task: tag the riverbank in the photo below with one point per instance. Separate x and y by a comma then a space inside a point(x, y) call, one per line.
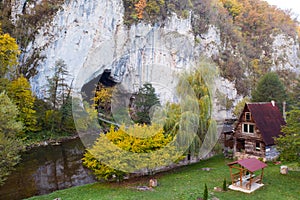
point(52, 141)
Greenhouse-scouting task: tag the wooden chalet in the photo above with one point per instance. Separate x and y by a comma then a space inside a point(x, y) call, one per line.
point(254, 132)
point(246, 175)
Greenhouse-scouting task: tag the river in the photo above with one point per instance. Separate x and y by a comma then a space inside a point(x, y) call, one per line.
point(45, 169)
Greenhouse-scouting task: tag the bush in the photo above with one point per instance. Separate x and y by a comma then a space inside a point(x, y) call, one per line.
point(129, 149)
point(224, 185)
point(9, 154)
point(10, 146)
point(205, 194)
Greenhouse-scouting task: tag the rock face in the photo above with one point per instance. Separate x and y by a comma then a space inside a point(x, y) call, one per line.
point(90, 37)
point(286, 54)
point(46, 169)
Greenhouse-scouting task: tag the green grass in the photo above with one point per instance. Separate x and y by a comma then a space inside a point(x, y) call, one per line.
point(187, 183)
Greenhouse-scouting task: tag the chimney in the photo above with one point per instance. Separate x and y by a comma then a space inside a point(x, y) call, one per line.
point(273, 103)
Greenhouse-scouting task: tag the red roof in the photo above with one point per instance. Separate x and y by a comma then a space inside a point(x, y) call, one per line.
point(251, 164)
point(268, 120)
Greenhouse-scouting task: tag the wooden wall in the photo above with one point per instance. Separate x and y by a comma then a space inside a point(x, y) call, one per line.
point(250, 139)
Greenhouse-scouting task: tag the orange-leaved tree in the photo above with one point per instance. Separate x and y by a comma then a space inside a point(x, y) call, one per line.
point(139, 7)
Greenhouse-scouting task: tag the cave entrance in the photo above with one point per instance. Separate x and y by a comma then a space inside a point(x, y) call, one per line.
point(106, 79)
point(88, 89)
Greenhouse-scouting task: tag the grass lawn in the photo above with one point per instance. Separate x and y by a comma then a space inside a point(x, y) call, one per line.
point(187, 183)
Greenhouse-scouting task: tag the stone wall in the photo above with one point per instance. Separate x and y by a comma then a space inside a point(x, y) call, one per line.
point(271, 153)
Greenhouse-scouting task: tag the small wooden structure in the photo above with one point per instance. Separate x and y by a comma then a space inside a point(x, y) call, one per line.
point(245, 179)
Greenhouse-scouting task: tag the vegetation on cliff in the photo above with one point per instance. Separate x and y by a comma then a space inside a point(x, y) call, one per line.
point(247, 28)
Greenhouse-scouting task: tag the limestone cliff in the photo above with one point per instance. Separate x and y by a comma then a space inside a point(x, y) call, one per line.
point(90, 36)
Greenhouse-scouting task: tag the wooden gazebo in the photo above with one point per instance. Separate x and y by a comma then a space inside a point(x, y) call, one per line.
point(245, 179)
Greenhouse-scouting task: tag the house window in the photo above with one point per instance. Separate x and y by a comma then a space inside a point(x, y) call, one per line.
point(248, 128)
point(257, 146)
point(247, 116)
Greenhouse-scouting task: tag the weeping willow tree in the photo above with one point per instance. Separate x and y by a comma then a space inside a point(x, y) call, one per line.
point(201, 81)
point(173, 114)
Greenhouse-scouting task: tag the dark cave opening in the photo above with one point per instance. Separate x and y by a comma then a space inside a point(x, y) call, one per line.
point(88, 89)
point(106, 79)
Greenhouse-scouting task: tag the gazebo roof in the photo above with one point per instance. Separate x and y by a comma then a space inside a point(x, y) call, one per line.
point(251, 164)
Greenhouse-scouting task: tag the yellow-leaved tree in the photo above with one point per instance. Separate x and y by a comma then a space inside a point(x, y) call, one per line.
point(123, 150)
point(233, 7)
point(102, 100)
point(19, 90)
point(9, 52)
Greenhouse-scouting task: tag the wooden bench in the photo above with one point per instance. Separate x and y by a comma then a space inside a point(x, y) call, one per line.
point(246, 177)
point(254, 180)
point(257, 179)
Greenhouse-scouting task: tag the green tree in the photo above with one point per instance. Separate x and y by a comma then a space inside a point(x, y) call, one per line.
point(9, 125)
point(240, 106)
point(173, 114)
point(9, 52)
point(200, 81)
point(59, 120)
point(9, 156)
point(143, 102)
point(86, 118)
point(295, 93)
point(10, 146)
point(19, 90)
point(41, 107)
point(5, 16)
point(268, 88)
point(205, 193)
point(288, 144)
point(66, 120)
point(59, 117)
point(58, 88)
point(224, 187)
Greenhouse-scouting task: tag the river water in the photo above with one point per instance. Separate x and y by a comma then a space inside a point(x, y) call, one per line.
point(45, 169)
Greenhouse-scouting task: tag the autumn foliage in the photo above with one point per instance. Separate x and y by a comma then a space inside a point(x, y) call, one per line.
point(122, 150)
point(139, 7)
point(9, 52)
